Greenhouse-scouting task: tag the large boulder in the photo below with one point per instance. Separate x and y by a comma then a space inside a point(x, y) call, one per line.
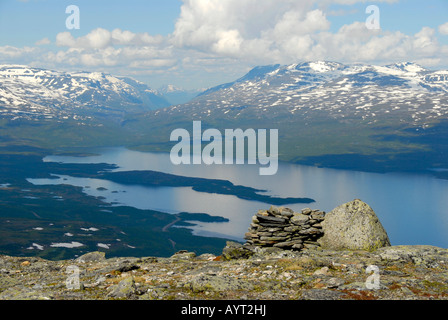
point(353, 226)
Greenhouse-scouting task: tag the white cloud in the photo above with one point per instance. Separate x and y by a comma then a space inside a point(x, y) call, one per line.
point(443, 29)
point(65, 39)
point(228, 37)
point(289, 31)
point(229, 42)
point(42, 42)
point(10, 53)
point(101, 38)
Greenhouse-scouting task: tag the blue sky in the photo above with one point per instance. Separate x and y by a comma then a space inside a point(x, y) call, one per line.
point(200, 43)
point(24, 22)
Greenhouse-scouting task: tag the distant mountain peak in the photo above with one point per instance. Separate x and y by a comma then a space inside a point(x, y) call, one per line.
point(36, 92)
point(408, 66)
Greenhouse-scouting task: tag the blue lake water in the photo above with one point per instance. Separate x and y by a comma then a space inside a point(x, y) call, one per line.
point(411, 207)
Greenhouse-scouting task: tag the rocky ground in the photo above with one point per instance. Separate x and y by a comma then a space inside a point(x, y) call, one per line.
point(242, 272)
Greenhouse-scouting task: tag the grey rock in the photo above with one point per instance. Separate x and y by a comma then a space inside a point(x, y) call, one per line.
point(273, 238)
point(183, 255)
point(322, 271)
point(333, 283)
point(310, 231)
point(292, 229)
point(235, 250)
point(287, 212)
point(320, 216)
point(427, 256)
point(270, 219)
point(275, 225)
point(298, 246)
point(307, 211)
point(353, 226)
point(299, 219)
point(287, 244)
point(264, 234)
point(125, 289)
point(218, 284)
point(92, 257)
point(273, 210)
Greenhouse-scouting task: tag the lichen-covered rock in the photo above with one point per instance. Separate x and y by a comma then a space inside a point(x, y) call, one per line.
point(428, 256)
point(235, 250)
point(353, 226)
point(183, 255)
point(91, 257)
point(405, 272)
point(125, 289)
point(218, 284)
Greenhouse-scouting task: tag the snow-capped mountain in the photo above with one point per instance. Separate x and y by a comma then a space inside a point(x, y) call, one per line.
point(403, 92)
point(177, 95)
point(35, 93)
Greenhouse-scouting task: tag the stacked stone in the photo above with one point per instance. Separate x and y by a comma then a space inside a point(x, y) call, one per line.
point(283, 228)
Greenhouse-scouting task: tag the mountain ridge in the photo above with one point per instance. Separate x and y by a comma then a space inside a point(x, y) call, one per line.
point(32, 93)
point(331, 114)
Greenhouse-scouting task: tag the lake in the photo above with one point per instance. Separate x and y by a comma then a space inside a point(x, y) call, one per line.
point(411, 207)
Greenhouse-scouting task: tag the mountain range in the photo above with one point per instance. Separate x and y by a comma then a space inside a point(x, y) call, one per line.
point(405, 92)
point(34, 93)
point(355, 116)
point(365, 117)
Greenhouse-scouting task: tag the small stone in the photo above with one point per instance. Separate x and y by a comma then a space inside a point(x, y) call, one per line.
point(235, 250)
point(292, 229)
point(286, 212)
point(262, 213)
point(268, 224)
point(273, 210)
point(333, 283)
point(270, 219)
point(310, 231)
point(286, 244)
point(272, 238)
point(183, 255)
point(320, 216)
point(299, 219)
point(306, 211)
point(250, 235)
point(322, 271)
point(264, 234)
point(298, 246)
point(124, 289)
point(25, 263)
point(215, 283)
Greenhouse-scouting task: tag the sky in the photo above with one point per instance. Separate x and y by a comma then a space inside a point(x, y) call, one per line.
point(197, 44)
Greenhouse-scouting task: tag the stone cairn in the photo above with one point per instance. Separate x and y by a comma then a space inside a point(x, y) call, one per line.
point(283, 228)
